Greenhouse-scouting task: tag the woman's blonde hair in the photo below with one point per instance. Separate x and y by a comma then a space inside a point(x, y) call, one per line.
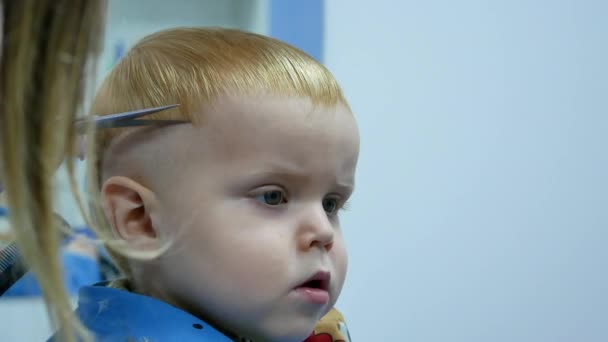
point(193, 67)
point(47, 48)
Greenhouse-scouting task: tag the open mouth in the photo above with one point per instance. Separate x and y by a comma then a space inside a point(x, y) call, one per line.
point(320, 281)
point(316, 289)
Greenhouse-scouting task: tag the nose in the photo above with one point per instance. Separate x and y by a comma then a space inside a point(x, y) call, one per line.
point(315, 229)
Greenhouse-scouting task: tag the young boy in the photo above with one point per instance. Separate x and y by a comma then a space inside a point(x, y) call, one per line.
point(228, 223)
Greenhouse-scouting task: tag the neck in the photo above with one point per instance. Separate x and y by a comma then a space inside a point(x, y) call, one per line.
point(160, 295)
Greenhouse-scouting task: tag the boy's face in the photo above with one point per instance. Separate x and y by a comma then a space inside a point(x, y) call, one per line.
point(251, 200)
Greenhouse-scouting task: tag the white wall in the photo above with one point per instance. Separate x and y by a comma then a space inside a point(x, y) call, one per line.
point(129, 21)
point(481, 209)
point(24, 320)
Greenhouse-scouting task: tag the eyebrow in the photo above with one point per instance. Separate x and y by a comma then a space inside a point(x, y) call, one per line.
point(287, 173)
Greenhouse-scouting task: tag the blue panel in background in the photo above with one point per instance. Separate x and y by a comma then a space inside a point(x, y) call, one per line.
point(299, 23)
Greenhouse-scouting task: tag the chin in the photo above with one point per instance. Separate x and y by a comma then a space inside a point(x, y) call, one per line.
point(287, 332)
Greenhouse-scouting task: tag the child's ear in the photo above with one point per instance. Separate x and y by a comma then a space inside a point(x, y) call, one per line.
point(130, 208)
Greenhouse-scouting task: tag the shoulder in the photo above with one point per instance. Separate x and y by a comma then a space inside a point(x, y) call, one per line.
point(113, 314)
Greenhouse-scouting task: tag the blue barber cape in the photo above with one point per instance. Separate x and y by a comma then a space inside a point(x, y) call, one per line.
point(118, 315)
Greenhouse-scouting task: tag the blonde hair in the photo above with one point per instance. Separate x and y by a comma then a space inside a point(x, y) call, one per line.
point(193, 67)
point(47, 47)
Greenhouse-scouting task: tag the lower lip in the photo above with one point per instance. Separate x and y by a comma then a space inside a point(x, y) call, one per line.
point(316, 296)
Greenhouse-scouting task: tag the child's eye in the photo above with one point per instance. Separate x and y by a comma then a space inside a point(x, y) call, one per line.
point(272, 197)
point(331, 205)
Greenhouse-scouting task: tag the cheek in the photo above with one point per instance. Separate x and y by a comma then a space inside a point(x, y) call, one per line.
point(262, 264)
point(340, 258)
point(233, 247)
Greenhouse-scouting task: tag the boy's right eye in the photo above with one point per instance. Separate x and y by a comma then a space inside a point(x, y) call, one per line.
point(272, 197)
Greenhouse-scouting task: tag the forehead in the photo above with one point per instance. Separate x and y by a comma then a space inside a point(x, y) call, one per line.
point(264, 131)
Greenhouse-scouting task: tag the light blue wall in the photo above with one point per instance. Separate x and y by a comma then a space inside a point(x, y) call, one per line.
point(481, 212)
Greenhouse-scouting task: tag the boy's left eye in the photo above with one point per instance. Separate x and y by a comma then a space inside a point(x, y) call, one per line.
point(272, 197)
point(331, 205)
